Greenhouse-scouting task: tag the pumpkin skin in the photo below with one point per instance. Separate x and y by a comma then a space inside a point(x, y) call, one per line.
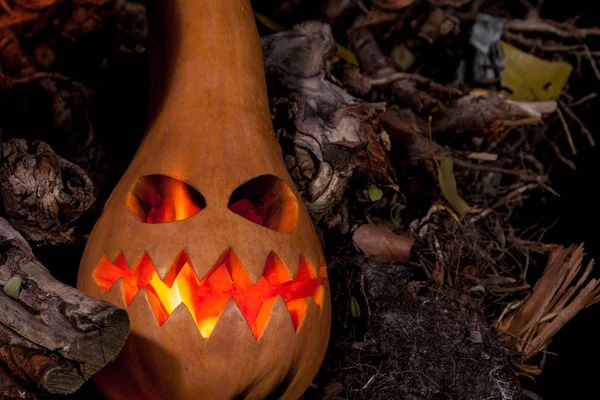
point(209, 131)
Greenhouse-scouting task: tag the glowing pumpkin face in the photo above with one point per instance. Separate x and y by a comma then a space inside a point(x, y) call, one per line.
point(262, 302)
point(204, 240)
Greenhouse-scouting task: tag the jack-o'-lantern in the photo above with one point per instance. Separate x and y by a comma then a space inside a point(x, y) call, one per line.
point(205, 241)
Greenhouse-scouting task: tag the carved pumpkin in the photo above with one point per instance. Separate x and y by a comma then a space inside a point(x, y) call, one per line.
point(205, 240)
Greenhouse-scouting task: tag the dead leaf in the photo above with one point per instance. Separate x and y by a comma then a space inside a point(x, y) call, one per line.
point(381, 244)
point(438, 274)
point(393, 4)
point(375, 161)
point(17, 18)
point(407, 137)
point(448, 185)
point(35, 5)
point(532, 78)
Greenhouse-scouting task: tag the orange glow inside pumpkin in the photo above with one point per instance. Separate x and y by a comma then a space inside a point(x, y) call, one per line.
point(268, 201)
point(155, 199)
point(206, 298)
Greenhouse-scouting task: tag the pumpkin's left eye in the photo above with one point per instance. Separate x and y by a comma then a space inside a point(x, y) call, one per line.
point(155, 199)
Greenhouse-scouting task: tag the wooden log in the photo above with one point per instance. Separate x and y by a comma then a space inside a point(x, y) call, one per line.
point(51, 335)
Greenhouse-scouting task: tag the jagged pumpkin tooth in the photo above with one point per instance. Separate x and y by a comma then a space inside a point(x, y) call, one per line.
point(115, 294)
point(230, 331)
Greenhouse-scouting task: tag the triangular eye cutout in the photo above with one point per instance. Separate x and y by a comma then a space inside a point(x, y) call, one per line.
point(268, 201)
point(156, 199)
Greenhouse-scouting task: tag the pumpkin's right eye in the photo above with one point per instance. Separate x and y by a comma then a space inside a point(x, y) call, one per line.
point(156, 199)
point(268, 201)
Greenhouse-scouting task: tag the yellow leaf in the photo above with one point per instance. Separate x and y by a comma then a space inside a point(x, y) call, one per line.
point(448, 185)
point(268, 22)
point(12, 287)
point(532, 78)
point(346, 54)
point(354, 307)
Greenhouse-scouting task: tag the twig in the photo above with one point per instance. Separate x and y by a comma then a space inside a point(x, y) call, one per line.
point(585, 99)
point(511, 290)
point(575, 118)
point(415, 77)
point(478, 155)
point(39, 75)
point(515, 193)
point(537, 25)
point(4, 5)
point(525, 175)
point(567, 131)
point(560, 156)
point(588, 54)
point(450, 3)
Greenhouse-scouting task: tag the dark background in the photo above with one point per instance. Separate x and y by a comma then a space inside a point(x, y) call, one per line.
point(574, 371)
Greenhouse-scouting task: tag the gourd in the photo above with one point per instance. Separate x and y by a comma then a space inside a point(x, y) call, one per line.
point(205, 240)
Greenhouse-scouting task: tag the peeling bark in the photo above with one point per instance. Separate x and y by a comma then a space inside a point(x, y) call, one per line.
point(42, 193)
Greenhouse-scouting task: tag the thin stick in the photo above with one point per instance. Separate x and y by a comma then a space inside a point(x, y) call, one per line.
point(525, 175)
point(567, 131)
point(418, 78)
point(575, 118)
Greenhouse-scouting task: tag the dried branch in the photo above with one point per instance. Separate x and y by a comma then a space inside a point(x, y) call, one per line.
point(537, 25)
point(380, 68)
point(555, 300)
point(396, 76)
point(487, 114)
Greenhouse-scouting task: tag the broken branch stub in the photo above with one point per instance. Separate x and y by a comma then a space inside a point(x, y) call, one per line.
point(325, 132)
point(563, 290)
point(51, 335)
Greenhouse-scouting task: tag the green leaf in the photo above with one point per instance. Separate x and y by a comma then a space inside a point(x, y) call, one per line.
point(395, 212)
point(402, 57)
point(532, 78)
point(375, 193)
point(448, 185)
point(354, 307)
point(13, 287)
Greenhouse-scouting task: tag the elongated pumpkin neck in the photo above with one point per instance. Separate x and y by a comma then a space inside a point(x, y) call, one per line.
point(204, 52)
point(209, 108)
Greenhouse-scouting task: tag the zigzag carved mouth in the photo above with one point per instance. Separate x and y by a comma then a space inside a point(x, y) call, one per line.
point(206, 298)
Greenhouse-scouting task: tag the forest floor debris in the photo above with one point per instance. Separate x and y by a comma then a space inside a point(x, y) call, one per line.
point(409, 118)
